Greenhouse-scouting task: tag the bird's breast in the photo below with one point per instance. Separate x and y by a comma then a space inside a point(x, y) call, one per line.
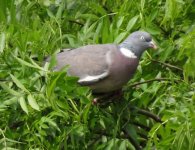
point(121, 69)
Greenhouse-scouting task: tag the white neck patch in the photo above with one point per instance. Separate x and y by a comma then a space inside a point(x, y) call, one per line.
point(127, 53)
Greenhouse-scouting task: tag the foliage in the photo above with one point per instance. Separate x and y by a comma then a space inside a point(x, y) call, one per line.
point(41, 109)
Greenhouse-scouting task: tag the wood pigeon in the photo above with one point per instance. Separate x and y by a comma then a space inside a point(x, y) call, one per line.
point(106, 67)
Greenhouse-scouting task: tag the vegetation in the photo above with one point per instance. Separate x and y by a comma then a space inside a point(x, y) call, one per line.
point(41, 109)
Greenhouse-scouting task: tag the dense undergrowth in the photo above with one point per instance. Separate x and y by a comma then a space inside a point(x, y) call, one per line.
point(41, 109)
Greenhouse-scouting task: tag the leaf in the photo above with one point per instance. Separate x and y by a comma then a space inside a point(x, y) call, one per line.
point(74, 105)
point(35, 65)
point(132, 22)
point(105, 30)
point(11, 101)
point(98, 31)
point(111, 144)
point(24, 62)
point(102, 123)
point(98, 8)
point(32, 102)
point(142, 4)
point(120, 37)
point(87, 16)
point(85, 112)
point(51, 87)
point(120, 21)
point(9, 90)
point(23, 105)
point(50, 122)
point(181, 141)
point(154, 129)
point(122, 145)
point(19, 84)
point(28, 64)
point(2, 42)
point(50, 14)
point(153, 30)
point(60, 10)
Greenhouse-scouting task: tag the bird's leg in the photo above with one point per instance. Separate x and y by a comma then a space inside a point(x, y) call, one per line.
point(100, 98)
point(103, 99)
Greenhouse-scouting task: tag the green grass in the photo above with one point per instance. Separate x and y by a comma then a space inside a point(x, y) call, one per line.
point(41, 109)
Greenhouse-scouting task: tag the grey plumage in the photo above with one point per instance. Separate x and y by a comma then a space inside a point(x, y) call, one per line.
point(103, 67)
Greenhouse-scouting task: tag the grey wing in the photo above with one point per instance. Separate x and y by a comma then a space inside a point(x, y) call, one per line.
point(90, 63)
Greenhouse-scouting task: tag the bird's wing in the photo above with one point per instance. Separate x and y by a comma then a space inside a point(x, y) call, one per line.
point(90, 63)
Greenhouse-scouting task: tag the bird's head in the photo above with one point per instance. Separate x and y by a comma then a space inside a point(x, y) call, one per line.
point(138, 42)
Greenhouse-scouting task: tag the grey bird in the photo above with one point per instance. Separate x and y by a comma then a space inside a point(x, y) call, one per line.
point(106, 67)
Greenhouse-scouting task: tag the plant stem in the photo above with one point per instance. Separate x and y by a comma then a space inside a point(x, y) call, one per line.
point(132, 140)
point(141, 126)
point(149, 114)
point(166, 64)
point(157, 79)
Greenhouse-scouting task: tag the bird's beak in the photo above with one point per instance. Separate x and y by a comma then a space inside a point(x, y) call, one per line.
point(153, 45)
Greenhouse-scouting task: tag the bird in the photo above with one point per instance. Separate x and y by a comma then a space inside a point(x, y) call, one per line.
point(106, 67)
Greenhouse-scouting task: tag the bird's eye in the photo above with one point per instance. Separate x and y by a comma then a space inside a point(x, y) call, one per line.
point(142, 38)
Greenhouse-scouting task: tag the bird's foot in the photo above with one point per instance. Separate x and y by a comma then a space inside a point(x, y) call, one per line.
point(105, 99)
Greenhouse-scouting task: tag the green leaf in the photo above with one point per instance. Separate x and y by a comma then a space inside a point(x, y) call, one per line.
point(131, 23)
point(98, 8)
point(60, 10)
point(122, 145)
point(142, 4)
point(120, 37)
point(9, 90)
point(87, 16)
point(111, 144)
point(102, 123)
point(2, 42)
point(19, 84)
point(51, 87)
point(28, 64)
point(23, 105)
point(11, 101)
point(32, 102)
point(120, 21)
point(50, 122)
point(50, 14)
